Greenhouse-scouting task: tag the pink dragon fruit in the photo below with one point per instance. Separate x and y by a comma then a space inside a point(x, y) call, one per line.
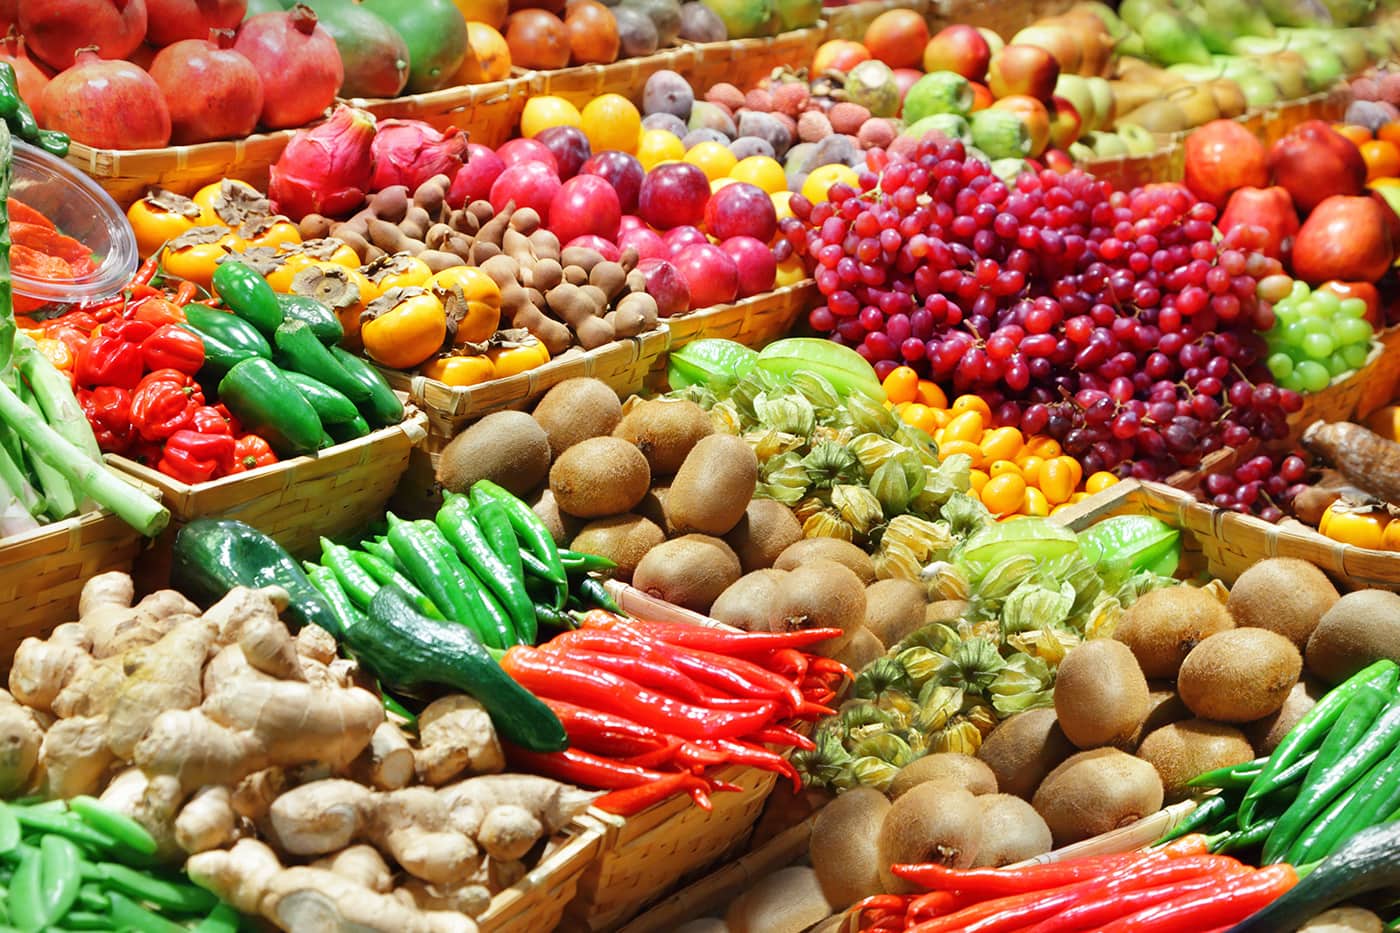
point(326, 169)
point(409, 152)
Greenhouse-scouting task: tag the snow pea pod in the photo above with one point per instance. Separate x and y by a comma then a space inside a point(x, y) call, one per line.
point(119, 826)
point(60, 868)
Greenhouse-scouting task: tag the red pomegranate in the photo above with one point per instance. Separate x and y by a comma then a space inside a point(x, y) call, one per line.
point(299, 64)
point(212, 91)
point(56, 29)
point(107, 104)
point(29, 77)
point(173, 20)
point(9, 14)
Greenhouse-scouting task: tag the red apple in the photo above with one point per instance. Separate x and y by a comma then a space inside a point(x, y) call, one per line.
point(958, 48)
point(528, 184)
point(839, 55)
point(1058, 161)
point(711, 274)
point(622, 170)
point(1268, 210)
point(1066, 123)
point(584, 204)
point(1363, 290)
point(1345, 238)
point(569, 147)
point(646, 241)
point(678, 238)
point(1221, 157)
point(741, 209)
point(672, 195)
point(474, 179)
point(666, 284)
point(606, 248)
point(1315, 162)
point(527, 150)
point(758, 268)
point(1023, 69)
point(904, 79)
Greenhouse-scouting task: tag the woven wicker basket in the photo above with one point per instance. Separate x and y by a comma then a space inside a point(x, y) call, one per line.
point(536, 903)
point(295, 501)
point(742, 62)
point(1341, 399)
point(1224, 544)
point(1329, 106)
point(488, 112)
point(1166, 164)
point(753, 322)
point(1005, 17)
point(126, 175)
point(851, 21)
point(42, 572)
point(1382, 382)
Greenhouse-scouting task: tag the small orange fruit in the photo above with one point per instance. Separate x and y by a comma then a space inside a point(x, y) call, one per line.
point(488, 56)
point(1382, 159)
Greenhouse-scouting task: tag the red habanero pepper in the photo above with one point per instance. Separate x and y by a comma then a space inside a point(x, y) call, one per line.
point(172, 347)
point(165, 402)
point(1231, 900)
point(108, 410)
point(555, 677)
point(186, 293)
point(634, 800)
point(206, 419)
point(158, 311)
point(193, 458)
point(721, 641)
point(108, 361)
point(81, 321)
point(251, 452)
point(131, 331)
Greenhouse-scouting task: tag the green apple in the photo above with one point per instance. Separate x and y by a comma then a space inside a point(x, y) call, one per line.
point(1075, 89)
point(1138, 140)
point(1324, 67)
point(1102, 92)
point(1108, 145)
point(1079, 152)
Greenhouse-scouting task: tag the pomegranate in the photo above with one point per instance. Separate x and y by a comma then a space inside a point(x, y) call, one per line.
point(107, 104)
point(212, 91)
point(299, 63)
point(56, 29)
point(9, 14)
point(29, 77)
point(173, 20)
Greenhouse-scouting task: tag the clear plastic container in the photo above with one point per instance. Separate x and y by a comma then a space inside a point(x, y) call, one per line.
point(82, 211)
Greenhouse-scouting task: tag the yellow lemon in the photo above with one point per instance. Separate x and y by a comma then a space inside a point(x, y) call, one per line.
point(821, 179)
point(543, 112)
point(712, 158)
point(657, 146)
point(781, 203)
point(611, 122)
point(762, 171)
point(790, 272)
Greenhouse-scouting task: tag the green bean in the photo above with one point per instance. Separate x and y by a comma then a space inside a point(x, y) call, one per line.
point(128, 915)
point(87, 920)
point(61, 870)
point(119, 826)
point(167, 895)
point(91, 897)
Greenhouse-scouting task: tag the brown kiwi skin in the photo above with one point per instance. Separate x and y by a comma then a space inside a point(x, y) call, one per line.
point(690, 571)
point(599, 477)
point(1284, 595)
point(575, 410)
point(1023, 749)
point(844, 845)
point(1361, 627)
point(765, 531)
point(953, 767)
point(820, 594)
point(1239, 675)
point(1266, 734)
point(1011, 831)
point(843, 552)
point(894, 609)
point(1095, 791)
point(788, 901)
point(624, 539)
point(860, 649)
point(714, 486)
point(665, 431)
point(1162, 627)
point(1101, 695)
point(1164, 707)
point(1183, 750)
point(935, 822)
point(508, 447)
point(745, 603)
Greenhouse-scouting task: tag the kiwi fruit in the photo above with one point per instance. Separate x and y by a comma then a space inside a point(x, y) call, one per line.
point(860, 649)
point(561, 527)
point(1183, 750)
point(843, 847)
point(1239, 675)
point(935, 822)
point(843, 552)
point(714, 486)
point(507, 447)
point(665, 431)
point(690, 571)
point(894, 609)
point(1284, 595)
point(623, 539)
point(575, 410)
point(1023, 749)
point(969, 773)
point(1360, 628)
point(1344, 920)
point(820, 594)
point(653, 508)
point(1164, 707)
point(600, 476)
point(784, 811)
point(1162, 627)
point(788, 901)
point(1095, 791)
point(745, 603)
point(765, 530)
point(1011, 831)
point(1100, 694)
point(1266, 733)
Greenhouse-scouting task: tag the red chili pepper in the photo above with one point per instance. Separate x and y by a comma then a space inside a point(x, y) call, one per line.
point(138, 292)
point(778, 734)
point(693, 756)
point(1007, 914)
point(789, 662)
point(737, 676)
point(108, 410)
point(165, 402)
point(82, 321)
point(1102, 909)
point(185, 293)
point(173, 347)
point(579, 767)
point(147, 271)
point(933, 904)
point(636, 799)
point(645, 671)
point(1231, 900)
point(656, 758)
point(604, 733)
point(193, 458)
point(723, 641)
point(251, 452)
point(548, 675)
point(821, 665)
point(745, 754)
point(996, 882)
point(158, 311)
point(108, 361)
point(129, 330)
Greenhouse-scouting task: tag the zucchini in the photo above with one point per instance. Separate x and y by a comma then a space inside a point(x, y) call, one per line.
point(406, 649)
point(1367, 862)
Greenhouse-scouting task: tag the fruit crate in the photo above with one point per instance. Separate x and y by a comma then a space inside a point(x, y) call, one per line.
point(1168, 163)
point(1382, 383)
point(754, 322)
point(489, 112)
point(536, 903)
point(340, 490)
point(851, 20)
point(126, 175)
point(1224, 544)
point(1341, 400)
point(42, 572)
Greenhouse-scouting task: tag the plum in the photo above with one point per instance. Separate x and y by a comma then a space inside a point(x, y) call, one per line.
point(706, 135)
point(741, 210)
point(679, 238)
point(746, 146)
point(528, 184)
point(569, 147)
point(699, 23)
point(636, 32)
point(673, 195)
point(474, 179)
point(765, 126)
point(646, 241)
point(710, 272)
point(585, 204)
point(665, 121)
point(668, 92)
point(757, 267)
point(622, 170)
point(666, 284)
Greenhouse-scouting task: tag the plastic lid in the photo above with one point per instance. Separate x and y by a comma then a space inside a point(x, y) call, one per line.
point(81, 210)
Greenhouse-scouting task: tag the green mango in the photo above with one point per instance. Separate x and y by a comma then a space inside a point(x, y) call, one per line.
point(436, 36)
point(375, 56)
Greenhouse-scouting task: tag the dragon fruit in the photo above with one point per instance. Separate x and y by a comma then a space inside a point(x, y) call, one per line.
point(326, 169)
point(409, 152)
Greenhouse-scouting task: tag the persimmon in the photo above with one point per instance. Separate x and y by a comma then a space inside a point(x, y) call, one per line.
point(488, 56)
point(537, 39)
point(593, 37)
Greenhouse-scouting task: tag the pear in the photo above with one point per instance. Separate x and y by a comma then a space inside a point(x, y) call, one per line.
point(1138, 140)
point(1170, 37)
point(1107, 145)
point(1104, 104)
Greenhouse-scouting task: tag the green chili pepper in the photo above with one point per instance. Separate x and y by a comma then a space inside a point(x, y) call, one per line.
point(174, 896)
point(26, 902)
point(396, 709)
point(474, 548)
point(332, 406)
point(533, 534)
point(247, 294)
point(1311, 729)
point(119, 826)
point(126, 914)
point(1246, 838)
point(500, 534)
point(357, 584)
point(489, 619)
point(429, 569)
point(298, 349)
point(1240, 775)
point(380, 547)
point(383, 407)
point(325, 580)
point(1378, 796)
point(1206, 813)
point(534, 568)
point(594, 591)
point(548, 615)
point(60, 863)
point(1324, 833)
point(575, 561)
point(10, 101)
point(385, 573)
point(92, 897)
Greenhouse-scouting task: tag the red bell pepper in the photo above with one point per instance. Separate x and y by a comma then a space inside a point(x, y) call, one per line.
point(131, 331)
point(106, 360)
point(165, 402)
point(207, 419)
point(173, 347)
point(251, 452)
point(193, 458)
point(108, 410)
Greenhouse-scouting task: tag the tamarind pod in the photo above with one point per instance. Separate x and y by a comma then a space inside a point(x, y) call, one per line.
point(119, 826)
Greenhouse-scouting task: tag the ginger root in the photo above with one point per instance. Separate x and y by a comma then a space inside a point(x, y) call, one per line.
point(20, 739)
point(456, 735)
point(207, 821)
